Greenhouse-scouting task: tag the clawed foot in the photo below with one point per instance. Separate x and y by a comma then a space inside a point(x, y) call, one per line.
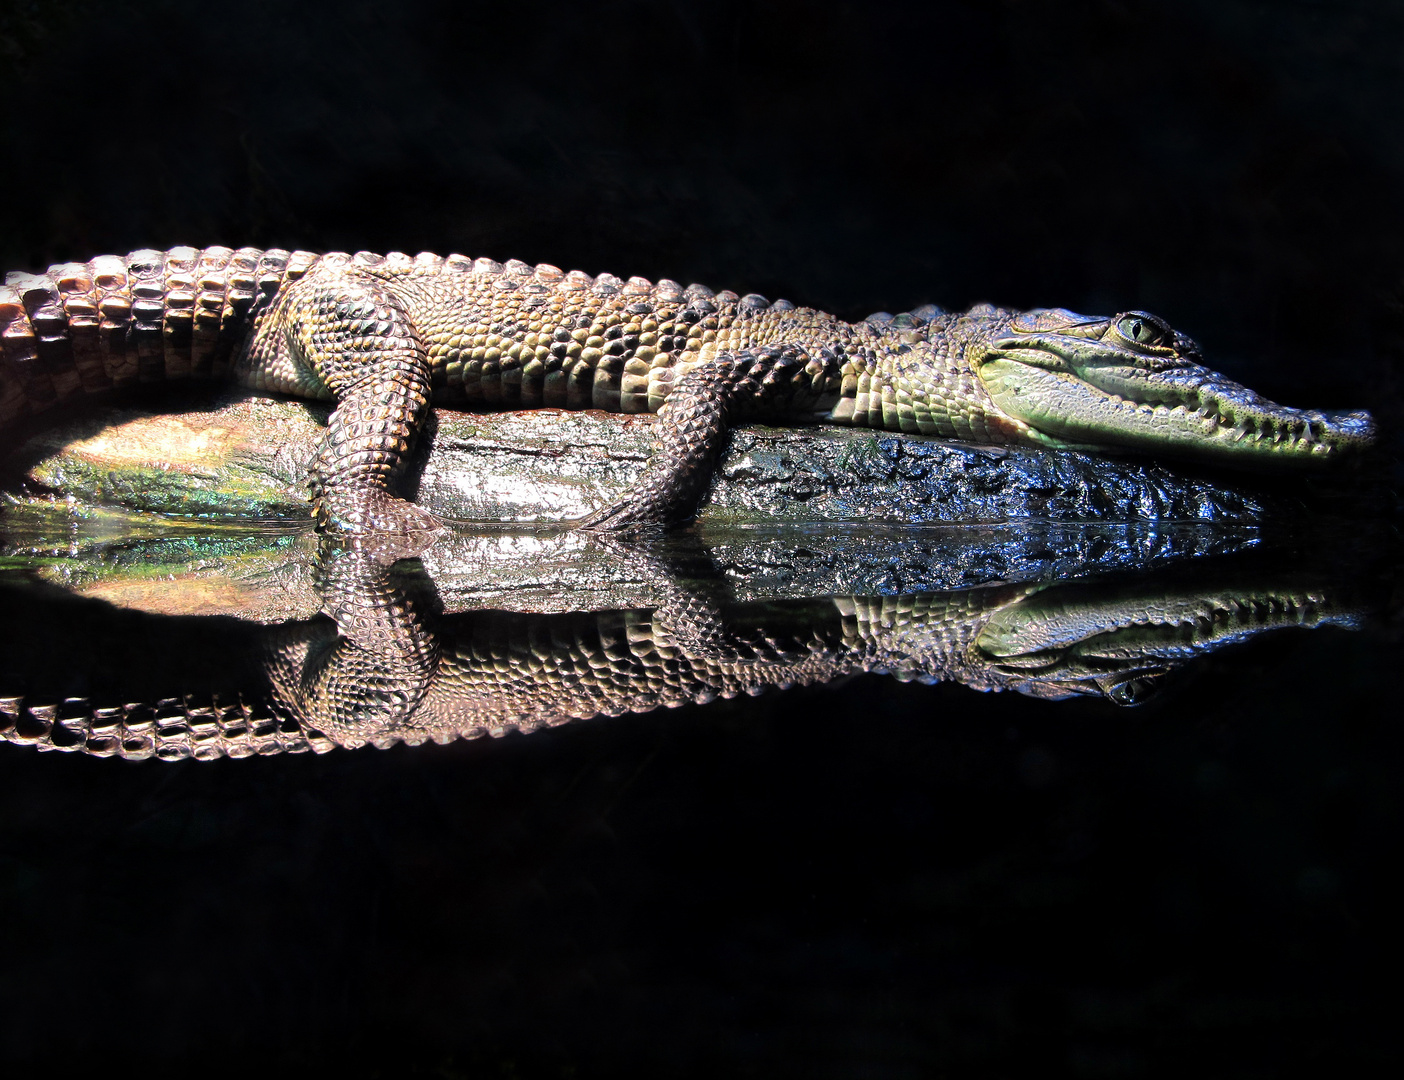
point(623, 517)
point(374, 519)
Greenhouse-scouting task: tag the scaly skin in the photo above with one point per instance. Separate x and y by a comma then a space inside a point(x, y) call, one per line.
point(382, 337)
point(382, 670)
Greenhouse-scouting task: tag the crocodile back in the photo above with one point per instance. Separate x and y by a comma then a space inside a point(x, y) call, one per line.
point(514, 335)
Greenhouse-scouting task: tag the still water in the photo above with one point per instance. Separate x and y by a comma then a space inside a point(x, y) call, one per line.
point(837, 800)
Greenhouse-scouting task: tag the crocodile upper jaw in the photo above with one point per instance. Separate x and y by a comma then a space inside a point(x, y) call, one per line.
point(1069, 391)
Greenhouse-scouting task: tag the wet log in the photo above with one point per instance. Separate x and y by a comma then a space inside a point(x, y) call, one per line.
point(248, 459)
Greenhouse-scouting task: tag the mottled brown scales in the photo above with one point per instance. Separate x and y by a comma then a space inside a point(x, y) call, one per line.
point(384, 335)
point(381, 677)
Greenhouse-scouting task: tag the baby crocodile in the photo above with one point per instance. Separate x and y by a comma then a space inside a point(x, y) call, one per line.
point(383, 336)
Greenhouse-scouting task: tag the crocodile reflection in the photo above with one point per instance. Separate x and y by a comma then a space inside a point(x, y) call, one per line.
point(385, 668)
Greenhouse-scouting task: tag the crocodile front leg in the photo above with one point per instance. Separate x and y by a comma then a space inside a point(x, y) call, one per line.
point(354, 337)
point(365, 682)
point(694, 423)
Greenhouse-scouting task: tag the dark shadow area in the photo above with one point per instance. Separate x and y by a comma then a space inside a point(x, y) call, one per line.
point(876, 879)
point(869, 874)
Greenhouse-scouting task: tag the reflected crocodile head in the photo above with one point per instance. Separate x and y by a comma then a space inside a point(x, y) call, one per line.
point(1122, 643)
point(1132, 381)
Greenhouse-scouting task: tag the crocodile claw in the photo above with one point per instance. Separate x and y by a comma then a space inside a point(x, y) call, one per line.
point(365, 512)
point(621, 517)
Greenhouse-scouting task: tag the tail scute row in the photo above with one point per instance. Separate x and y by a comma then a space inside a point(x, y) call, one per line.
point(82, 328)
point(171, 729)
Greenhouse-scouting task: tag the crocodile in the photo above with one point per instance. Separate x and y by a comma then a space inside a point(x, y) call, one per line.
point(381, 666)
point(384, 336)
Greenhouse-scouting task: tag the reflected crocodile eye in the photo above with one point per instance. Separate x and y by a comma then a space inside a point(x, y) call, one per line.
point(1141, 329)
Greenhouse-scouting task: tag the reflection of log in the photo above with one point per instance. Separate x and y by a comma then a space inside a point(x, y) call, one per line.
point(194, 568)
point(249, 459)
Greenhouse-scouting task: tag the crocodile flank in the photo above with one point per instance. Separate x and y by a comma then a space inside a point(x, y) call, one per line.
point(384, 336)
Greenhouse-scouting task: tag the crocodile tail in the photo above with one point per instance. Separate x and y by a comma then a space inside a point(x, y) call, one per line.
point(82, 328)
point(172, 729)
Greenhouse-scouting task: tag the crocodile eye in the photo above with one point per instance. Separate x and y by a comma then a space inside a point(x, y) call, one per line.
point(1138, 328)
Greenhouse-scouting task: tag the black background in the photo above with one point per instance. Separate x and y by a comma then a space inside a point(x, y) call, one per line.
point(878, 881)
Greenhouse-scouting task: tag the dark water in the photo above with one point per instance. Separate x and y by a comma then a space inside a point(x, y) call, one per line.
point(869, 878)
point(874, 879)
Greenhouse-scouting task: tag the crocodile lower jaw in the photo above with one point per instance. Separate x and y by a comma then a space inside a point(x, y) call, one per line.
point(1191, 423)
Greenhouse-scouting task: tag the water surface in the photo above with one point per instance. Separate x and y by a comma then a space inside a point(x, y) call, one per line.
point(936, 835)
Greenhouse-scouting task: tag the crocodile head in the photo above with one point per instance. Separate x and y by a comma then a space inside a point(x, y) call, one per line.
point(1067, 380)
point(1122, 640)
